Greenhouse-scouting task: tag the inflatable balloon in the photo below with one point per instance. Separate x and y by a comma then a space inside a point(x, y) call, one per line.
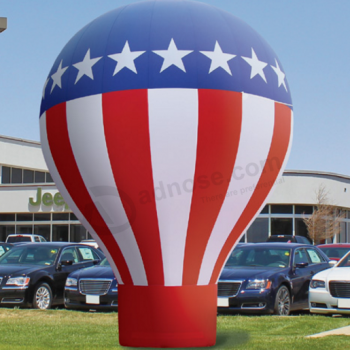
point(165, 125)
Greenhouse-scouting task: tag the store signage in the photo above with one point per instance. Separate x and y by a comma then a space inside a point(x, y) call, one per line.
point(47, 199)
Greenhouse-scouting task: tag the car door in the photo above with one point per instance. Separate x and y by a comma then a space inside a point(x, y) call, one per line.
point(88, 256)
point(317, 261)
point(301, 275)
point(68, 261)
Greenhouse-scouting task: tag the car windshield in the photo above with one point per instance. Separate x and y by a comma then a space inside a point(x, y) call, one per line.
point(345, 262)
point(259, 256)
point(104, 262)
point(4, 249)
point(333, 252)
point(30, 255)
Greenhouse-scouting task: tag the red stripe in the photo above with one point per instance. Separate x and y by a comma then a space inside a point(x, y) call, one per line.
point(62, 154)
point(219, 127)
point(277, 154)
point(125, 115)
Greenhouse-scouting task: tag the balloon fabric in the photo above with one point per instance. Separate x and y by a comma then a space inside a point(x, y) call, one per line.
point(165, 125)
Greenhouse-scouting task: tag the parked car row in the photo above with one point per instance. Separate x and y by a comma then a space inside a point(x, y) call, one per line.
point(269, 278)
point(260, 278)
point(34, 274)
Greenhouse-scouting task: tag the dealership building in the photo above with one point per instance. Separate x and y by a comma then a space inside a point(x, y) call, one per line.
point(31, 203)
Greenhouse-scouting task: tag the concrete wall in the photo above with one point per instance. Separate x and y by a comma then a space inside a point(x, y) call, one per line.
point(21, 153)
point(298, 187)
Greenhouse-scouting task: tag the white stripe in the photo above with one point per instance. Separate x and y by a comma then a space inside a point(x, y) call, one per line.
point(254, 145)
point(86, 134)
point(270, 193)
point(62, 188)
point(173, 120)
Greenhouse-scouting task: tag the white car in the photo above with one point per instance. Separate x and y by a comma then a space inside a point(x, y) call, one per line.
point(24, 237)
point(329, 291)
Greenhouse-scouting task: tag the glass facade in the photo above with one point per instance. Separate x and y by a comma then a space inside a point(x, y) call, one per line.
point(11, 175)
point(278, 219)
point(52, 226)
point(258, 231)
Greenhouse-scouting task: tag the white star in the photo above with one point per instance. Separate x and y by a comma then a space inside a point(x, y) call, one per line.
point(44, 88)
point(280, 75)
point(218, 59)
point(85, 66)
point(56, 77)
point(172, 56)
point(256, 65)
point(125, 59)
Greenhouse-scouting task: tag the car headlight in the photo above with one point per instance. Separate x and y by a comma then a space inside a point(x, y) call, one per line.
point(317, 284)
point(22, 281)
point(71, 282)
point(259, 284)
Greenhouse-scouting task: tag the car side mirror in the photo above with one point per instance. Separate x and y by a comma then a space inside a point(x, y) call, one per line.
point(302, 265)
point(95, 262)
point(332, 263)
point(64, 263)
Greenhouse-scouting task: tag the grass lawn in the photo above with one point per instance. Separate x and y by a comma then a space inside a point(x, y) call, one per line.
point(63, 329)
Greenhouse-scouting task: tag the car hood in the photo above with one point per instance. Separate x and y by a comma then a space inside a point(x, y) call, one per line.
point(242, 273)
point(94, 272)
point(18, 270)
point(335, 273)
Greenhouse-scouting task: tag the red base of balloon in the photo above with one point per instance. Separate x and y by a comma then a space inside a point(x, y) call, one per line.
point(165, 317)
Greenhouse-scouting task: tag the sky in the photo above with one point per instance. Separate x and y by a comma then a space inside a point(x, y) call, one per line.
point(310, 38)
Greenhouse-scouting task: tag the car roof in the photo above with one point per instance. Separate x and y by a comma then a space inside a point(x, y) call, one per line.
point(278, 244)
point(50, 244)
point(334, 245)
point(22, 234)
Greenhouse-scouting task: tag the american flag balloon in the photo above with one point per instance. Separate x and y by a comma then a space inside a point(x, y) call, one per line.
point(165, 125)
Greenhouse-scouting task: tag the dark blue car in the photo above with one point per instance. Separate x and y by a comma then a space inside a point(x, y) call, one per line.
point(92, 288)
point(269, 278)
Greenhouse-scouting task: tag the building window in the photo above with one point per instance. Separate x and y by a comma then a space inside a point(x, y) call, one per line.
point(48, 178)
point(6, 230)
point(300, 228)
point(39, 176)
point(25, 217)
point(7, 217)
point(303, 209)
point(24, 229)
point(342, 233)
point(73, 217)
point(281, 209)
point(281, 226)
point(28, 176)
point(44, 224)
point(5, 175)
point(16, 176)
point(43, 230)
point(60, 216)
point(258, 230)
point(42, 217)
point(60, 233)
point(265, 210)
point(77, 233)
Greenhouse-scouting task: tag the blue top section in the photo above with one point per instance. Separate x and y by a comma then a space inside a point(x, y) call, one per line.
point(165, 44)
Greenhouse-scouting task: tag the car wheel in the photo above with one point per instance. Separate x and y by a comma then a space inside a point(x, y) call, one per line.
point(42, 296)
point(282, 301)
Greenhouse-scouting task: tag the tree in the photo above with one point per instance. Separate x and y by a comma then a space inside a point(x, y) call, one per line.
point(324, 223)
